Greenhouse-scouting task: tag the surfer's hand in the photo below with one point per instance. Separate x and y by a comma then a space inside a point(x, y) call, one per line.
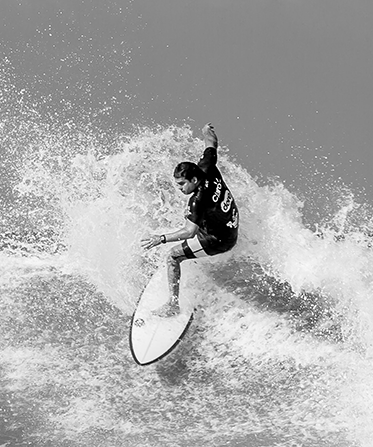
point(208, 130)
point(210, 136)
point(150, 242)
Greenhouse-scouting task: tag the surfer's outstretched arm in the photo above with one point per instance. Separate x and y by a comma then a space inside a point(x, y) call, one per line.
point(211, 140)
point(187, 232)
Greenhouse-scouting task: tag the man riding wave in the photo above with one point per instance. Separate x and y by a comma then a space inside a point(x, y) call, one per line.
point(212, 218)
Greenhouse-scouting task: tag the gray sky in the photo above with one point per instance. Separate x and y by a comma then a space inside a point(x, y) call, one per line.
point(287, 83)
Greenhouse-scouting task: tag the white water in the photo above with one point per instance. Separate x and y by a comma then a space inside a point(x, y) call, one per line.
point(279, 354)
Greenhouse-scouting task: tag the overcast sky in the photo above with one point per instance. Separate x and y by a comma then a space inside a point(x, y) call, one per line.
point(287, 83)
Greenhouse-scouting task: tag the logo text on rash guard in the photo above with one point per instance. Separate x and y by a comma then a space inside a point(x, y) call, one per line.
point(227, 201)
point(217, 193)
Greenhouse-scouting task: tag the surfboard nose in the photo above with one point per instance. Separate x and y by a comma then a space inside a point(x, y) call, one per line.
point(154, 336)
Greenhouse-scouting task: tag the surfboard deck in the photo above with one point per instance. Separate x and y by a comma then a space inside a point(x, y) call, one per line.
point(152, 337)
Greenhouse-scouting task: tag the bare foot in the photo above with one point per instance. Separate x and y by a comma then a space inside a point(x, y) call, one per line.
point(167, 310)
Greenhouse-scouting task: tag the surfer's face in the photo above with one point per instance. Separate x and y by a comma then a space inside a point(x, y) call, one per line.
point(186, 186)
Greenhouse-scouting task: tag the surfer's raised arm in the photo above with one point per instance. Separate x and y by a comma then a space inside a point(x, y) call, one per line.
point(209, 135)
point(210, 154)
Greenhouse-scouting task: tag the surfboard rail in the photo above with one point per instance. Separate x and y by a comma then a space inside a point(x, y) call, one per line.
point(152, 337)
point(149, 361)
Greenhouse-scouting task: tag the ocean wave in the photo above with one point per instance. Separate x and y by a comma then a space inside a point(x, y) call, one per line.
point(280, 351)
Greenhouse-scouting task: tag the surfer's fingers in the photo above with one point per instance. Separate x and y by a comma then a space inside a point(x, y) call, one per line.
point(145, 243)
point(150, 242)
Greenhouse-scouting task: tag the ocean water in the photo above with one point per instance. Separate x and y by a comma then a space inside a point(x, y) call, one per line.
point(280, 351)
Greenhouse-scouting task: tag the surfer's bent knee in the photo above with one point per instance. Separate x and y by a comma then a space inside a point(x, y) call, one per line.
point(176, 255)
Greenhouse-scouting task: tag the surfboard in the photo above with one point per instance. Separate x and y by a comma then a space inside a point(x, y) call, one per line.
point(152, 337)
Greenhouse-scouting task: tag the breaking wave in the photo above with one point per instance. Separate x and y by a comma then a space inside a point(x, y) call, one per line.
point(279, 354)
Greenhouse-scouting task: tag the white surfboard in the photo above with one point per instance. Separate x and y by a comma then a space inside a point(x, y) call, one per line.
point(152, 337)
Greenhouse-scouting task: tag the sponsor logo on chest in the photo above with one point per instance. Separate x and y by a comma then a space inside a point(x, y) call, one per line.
point(217, 192)
point(227, 201)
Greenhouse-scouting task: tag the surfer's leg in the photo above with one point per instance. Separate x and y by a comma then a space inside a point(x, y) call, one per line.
point(189, 249)
point(175, 257)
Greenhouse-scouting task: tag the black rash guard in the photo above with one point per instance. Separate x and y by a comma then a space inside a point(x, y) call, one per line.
point(212, 206)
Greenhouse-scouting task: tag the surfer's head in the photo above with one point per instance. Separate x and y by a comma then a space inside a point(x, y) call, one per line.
point(188, 176)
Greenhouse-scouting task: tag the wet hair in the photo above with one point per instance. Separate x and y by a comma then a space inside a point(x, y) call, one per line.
point(188, 170)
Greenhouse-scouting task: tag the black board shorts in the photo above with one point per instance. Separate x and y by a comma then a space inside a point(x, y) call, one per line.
point(206, 245)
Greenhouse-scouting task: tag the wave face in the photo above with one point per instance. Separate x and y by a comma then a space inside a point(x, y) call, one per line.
point(280, 352)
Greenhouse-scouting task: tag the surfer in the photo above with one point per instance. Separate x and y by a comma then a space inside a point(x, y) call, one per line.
point(211, 224)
